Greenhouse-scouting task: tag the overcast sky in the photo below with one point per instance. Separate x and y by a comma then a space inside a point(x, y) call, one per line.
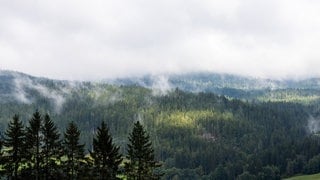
point(99, 39)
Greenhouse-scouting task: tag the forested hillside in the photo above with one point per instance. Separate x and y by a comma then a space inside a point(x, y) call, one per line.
point(226, 133)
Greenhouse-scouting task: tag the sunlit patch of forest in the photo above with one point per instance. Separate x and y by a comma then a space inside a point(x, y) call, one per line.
point(266, 134)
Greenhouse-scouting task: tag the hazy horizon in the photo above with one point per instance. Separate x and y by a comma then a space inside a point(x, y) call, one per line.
point(81, 40)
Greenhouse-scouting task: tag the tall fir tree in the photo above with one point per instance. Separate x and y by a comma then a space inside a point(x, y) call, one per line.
point(141, 163)
point(33, 142)
point(73, 150)
point(51, 148)
point(14, 142)
point(105, 155)
point(2, 160)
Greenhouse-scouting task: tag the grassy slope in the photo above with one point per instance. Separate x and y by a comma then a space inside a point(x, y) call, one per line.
point(305, 177)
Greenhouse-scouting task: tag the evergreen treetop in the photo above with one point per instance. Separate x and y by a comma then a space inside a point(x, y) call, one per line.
point(33, 143)
point(51, 148)
point(16, 152)
point(73, 150)
point(105, 154)
point(141, 163)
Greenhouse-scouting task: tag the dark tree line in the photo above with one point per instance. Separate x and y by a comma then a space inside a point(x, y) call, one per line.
point(37, 152)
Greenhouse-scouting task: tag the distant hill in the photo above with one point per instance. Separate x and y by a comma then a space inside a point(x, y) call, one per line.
point(23, 88)
point(210, 82)
point(234, 86)
point(199, 123)
point(16, 86)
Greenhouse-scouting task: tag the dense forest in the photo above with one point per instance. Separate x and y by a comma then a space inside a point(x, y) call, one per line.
point(37, 152)
point(234, 134)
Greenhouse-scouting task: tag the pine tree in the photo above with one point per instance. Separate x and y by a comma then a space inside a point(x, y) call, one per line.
point(14, 142)
point(74, 151)
point(141, 163)
point(2, 160)
point(33, 142)
point(105, 154)
point(51, 148)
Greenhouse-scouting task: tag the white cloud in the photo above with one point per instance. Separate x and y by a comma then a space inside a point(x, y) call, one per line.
point(102, 39)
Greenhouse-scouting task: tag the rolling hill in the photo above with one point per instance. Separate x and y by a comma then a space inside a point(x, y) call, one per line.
point(201, 125)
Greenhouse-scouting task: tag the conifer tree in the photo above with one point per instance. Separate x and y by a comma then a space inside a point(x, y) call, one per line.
point(51, 148)
point(105, 155)
point(14, 142)
point(74, 151)
point(33, 142)
point(141, 163)
point(1, 157)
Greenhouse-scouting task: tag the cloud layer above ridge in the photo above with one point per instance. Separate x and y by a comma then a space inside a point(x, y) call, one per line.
point(105, 39)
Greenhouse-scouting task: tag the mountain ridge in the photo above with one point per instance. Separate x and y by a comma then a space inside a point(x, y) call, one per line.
point(192, 80)
point(20, 87)
point(239, 129)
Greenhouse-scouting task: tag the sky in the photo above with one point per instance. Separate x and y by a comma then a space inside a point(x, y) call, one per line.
point(87, 40)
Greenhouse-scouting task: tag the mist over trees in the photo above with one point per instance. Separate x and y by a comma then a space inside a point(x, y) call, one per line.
point(264, 134)
point(193, 135)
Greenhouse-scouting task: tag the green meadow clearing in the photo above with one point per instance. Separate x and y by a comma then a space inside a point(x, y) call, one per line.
point(305, 177)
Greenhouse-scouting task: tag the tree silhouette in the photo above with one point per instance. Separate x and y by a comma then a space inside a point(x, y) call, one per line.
point(33, 142)
point(15, 147)
point(105, 154)
point(141, 163)
point(73, 150)
point(51, 148)
point(2, 160)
